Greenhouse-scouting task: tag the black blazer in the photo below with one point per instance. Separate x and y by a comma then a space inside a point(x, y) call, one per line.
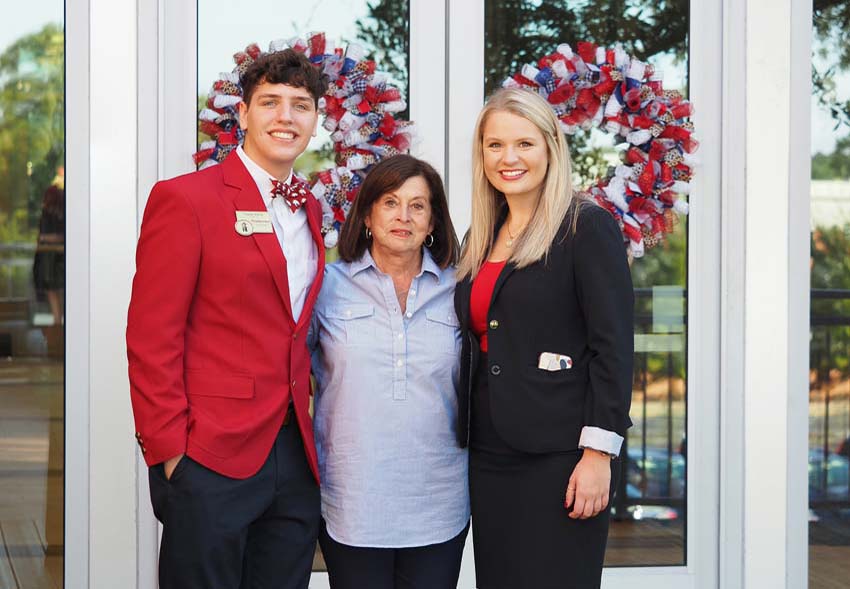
point(580, 303)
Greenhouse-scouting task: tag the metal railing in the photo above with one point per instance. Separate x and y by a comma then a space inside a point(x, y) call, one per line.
point(829, 399)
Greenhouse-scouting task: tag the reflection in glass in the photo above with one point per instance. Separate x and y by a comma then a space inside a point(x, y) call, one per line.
point(829, 378)
point(648, 526)
point(381, 27)
point(32, 283)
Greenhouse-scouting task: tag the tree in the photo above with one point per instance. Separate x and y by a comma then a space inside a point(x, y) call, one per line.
point(831, 20)
point(32, 120)
point(835, 165)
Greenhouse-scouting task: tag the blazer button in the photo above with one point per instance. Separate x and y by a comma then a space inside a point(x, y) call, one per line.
point(494, 324)
point(495, 370)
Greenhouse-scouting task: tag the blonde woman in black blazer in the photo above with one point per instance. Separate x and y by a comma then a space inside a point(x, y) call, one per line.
point(545, 303)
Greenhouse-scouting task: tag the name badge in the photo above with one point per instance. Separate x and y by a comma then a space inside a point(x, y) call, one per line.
point(250, 222)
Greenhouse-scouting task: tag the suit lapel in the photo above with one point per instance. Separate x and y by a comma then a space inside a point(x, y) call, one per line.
point(464, 291)
point(507, 270)
point(243, 191)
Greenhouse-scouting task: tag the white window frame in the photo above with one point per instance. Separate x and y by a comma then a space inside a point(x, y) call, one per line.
point(100, 451)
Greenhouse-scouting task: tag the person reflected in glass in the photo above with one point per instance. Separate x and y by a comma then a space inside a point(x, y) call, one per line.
point(49, 263)
point(386, 343)
point(545, 303)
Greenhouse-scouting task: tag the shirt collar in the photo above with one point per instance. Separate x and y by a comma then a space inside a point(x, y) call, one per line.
point(366, 261)
point(261, 178)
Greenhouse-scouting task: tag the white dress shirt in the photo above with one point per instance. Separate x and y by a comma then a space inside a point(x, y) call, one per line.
point(293, 234)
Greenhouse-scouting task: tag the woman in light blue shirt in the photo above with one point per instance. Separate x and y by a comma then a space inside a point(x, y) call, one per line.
point(385, 342)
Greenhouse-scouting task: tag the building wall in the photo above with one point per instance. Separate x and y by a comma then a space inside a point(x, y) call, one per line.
point(750, 523)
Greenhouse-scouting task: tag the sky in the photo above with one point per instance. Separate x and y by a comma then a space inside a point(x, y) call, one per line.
point(30, 17)
point(267, 20)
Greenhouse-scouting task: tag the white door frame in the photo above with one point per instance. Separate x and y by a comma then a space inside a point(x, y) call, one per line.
point(466, 82)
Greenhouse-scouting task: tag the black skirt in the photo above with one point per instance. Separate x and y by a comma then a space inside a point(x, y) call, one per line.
point(522, 534)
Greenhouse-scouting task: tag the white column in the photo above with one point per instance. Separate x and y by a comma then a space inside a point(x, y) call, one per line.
point(427, 77)
point(466, 97)
point(767, 286)
point(77, 309)
point(112, 239)
point(799, 291)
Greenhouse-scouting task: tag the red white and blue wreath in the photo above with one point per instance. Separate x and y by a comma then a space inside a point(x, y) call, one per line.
point(591, 87)
point(612, 91)
point(359, 111)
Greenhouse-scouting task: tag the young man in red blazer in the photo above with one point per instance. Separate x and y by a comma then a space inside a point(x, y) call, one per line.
point(228, 267)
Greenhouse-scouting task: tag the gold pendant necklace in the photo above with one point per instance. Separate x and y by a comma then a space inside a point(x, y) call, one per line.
point(510, 241)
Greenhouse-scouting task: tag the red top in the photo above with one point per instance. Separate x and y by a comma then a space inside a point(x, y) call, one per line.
point(479, 299)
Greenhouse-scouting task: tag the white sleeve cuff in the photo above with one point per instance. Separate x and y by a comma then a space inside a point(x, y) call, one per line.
point(600, 439)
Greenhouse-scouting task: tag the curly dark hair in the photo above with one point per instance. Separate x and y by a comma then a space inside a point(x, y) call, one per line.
point(283, 67)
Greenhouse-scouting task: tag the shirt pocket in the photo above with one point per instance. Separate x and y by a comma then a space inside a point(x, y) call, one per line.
point(444, 329)
point(357, 321)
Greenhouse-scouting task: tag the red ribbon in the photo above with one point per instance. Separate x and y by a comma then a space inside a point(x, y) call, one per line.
point(387, 126)
point(632, 232)
point(646, 180)
point(587, 51)
point(562, 93)
point(317, 44)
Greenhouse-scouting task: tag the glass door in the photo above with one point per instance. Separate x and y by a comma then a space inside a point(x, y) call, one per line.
point(655, 528)
point(447, 57)
point(32, 296)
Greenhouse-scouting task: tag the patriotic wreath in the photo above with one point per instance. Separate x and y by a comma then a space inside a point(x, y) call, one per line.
point(359, 111)
point(622, 96)
point(591, 87)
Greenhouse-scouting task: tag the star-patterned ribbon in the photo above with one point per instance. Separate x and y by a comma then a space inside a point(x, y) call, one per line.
point(294, 194)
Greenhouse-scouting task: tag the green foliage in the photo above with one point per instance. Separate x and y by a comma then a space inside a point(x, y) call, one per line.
point(831, 20)
point(835, 165)
point(830, 250)
point(32, 120)
point(386, 30)
point(666, 263)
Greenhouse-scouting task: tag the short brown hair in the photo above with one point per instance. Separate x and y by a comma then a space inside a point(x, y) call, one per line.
point(385, 177)
point(283, 67)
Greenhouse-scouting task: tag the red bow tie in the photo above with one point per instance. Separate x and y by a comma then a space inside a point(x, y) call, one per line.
point(294, 194)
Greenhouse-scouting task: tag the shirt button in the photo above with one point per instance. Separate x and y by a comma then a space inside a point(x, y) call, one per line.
point(494, 324)
point(401, 336)
point(293, 384)
point(495, 370)
point(409, 315)
point(399, 363)
point(295, 335)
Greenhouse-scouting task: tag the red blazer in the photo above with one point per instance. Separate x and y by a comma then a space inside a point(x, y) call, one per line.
point(214, 353)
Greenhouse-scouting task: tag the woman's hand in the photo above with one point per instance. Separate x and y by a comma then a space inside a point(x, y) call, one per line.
point(587, 491)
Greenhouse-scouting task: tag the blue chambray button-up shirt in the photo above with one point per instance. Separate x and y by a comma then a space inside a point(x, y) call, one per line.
point(393, 475)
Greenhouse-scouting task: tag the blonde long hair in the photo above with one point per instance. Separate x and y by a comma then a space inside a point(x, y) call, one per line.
point(556, 195)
